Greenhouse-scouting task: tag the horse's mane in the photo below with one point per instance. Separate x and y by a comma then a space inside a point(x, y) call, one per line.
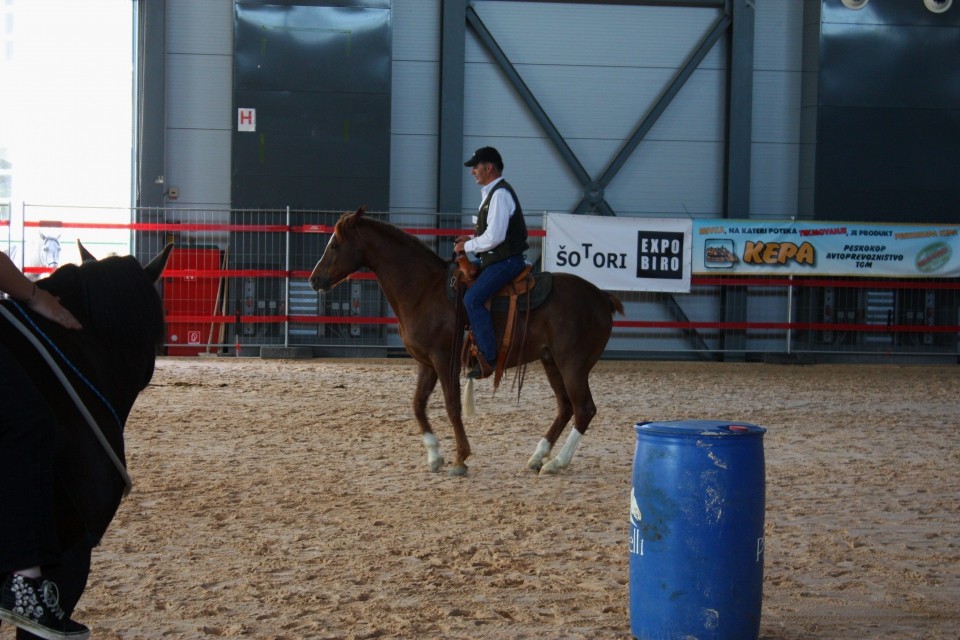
point(121, 305)
point(399, 236)
point(393, 232)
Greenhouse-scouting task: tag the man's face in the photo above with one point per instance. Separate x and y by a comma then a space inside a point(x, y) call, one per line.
point(483, 173)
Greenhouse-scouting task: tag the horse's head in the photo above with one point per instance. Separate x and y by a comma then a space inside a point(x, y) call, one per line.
point(114, 298)
point(343, 255)
point(49, 250)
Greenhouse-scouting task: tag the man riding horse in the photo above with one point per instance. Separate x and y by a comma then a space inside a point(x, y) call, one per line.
point(499, 243)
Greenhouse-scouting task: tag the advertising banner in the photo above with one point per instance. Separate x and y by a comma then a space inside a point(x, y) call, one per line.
point(620, 254)
point(754, 247)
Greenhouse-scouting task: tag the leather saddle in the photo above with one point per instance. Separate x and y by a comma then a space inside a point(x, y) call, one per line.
point(538, 285)
point(525, 292)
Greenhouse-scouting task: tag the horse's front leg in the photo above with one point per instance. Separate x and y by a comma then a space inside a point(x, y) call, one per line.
point(450, 384)
point(426, 382)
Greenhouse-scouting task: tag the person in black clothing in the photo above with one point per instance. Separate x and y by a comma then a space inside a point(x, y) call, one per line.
point(29, 546)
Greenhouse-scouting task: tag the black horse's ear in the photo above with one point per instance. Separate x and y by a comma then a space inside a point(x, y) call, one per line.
point(156, 266)
point(85, 255)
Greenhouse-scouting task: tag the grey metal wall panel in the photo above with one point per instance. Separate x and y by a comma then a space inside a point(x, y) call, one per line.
point(670, 178)
point(199, 101)
point(778, 35)
point(413, 173)
point(774, 180)
point(416, 30)
point(413, 139)
point(602, 102)
point(776, 110)
point(415, 103)
point(697, 112)
point(198, 163)
point(595, 34)
point(492, 107)
point(774, 170)
point(199, 91)
point(203, 28)
point(777, 83)
point(416, 97)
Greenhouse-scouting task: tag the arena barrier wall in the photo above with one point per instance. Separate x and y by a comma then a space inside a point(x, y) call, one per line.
point(238, 287)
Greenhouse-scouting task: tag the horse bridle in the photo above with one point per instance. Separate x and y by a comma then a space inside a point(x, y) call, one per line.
point(68, 387)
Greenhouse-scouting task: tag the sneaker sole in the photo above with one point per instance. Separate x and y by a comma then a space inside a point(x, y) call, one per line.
point(43, 632)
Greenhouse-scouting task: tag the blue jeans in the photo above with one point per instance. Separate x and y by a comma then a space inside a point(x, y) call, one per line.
point(492, 278)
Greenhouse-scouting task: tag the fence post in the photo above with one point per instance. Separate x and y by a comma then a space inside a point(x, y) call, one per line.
point(286, 288)
point(789, 313)
point(23, 236)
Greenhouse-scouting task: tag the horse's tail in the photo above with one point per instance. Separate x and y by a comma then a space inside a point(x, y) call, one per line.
point(615, 305)
point(469, 400)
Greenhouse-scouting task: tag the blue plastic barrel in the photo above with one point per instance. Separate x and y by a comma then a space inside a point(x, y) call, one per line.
point(696, 531)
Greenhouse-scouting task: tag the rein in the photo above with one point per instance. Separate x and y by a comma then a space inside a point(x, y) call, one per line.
point(81, 407)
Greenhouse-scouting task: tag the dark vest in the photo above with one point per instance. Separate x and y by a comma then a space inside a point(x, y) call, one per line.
point(516, 241)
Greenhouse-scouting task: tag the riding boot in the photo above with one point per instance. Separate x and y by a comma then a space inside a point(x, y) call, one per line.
point(481, 369)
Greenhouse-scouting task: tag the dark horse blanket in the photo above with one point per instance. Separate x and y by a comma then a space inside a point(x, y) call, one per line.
point(107, 363)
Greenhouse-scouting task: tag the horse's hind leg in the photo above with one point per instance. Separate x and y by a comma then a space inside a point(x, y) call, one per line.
point(426, 382)
point(578, 392)
point(564, 413)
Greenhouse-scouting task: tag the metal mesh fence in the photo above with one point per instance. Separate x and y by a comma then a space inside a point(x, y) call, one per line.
point(237, 282)
point(5, 244)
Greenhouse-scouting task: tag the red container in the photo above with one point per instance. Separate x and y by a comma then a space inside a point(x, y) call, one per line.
point(190, 300)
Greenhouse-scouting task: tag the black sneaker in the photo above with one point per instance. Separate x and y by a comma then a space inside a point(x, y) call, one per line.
point(34, 605)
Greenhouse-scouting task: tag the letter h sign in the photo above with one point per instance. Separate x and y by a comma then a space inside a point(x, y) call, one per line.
point(246, 119)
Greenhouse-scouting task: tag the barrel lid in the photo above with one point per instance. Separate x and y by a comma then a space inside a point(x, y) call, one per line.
point(701, 428)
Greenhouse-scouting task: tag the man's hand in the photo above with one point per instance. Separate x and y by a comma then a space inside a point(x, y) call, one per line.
point(48, 305)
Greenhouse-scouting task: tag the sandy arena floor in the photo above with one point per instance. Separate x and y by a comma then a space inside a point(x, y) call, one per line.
point(291, 500)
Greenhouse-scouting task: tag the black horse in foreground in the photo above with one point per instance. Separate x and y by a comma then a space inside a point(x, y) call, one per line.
point(107, 364)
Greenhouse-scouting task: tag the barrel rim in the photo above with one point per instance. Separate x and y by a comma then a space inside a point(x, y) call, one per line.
point(700, 427)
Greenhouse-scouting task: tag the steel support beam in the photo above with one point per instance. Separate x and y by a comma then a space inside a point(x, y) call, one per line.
point(450, 154)
point(739, 110)
point(733, 300)
point(150, 126)
point(488, 41)
point(663, 101)
point(151, 116)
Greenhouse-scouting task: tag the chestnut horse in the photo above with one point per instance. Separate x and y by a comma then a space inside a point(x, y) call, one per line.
point(567, 333)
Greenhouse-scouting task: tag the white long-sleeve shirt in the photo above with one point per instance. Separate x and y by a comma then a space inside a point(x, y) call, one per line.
point(498, 219)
